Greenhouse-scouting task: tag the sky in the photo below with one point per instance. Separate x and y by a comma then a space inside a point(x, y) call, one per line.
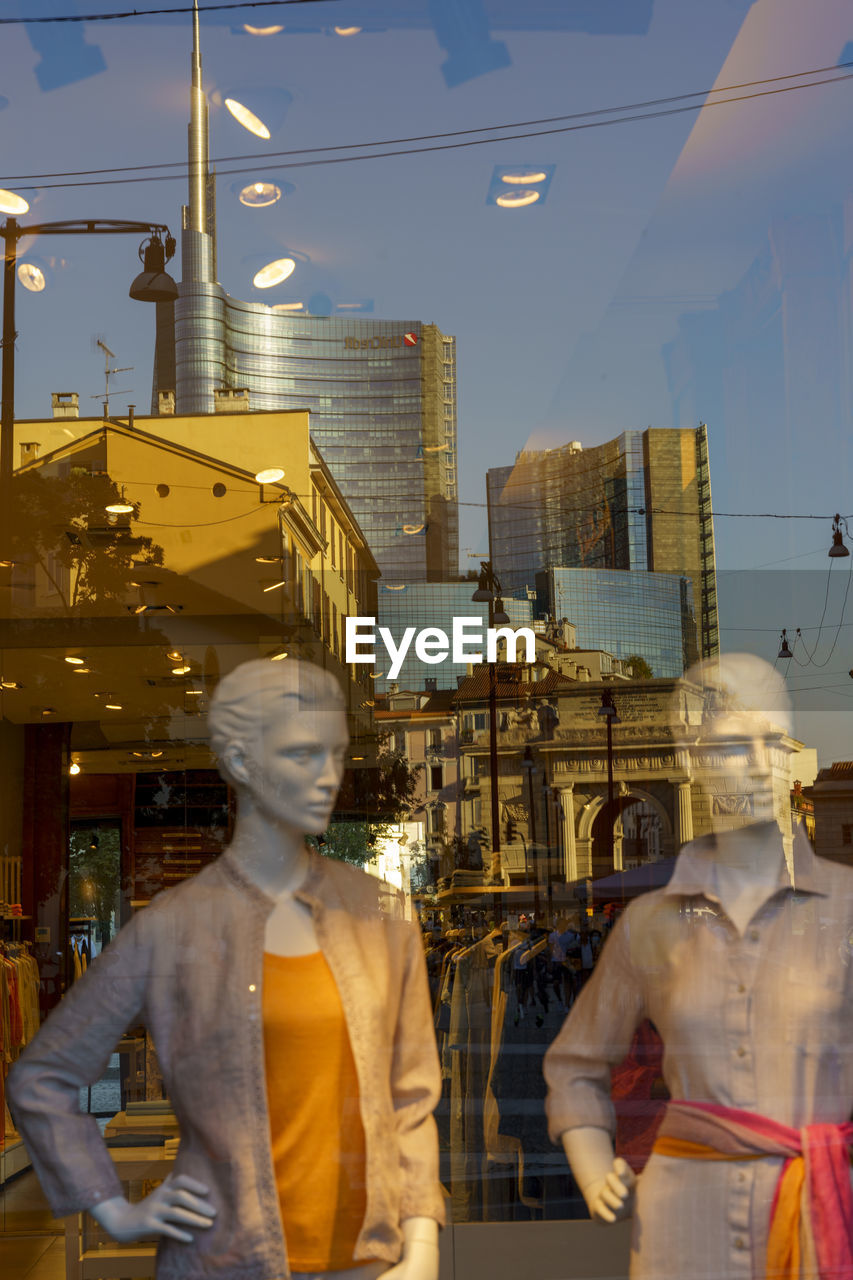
point(688, 267)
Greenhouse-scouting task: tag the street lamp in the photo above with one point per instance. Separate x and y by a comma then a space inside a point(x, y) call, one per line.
point(608, 710)
point(152, 285)
point(489, 592)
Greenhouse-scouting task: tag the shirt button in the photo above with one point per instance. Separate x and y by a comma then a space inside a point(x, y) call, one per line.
point(754, 935)
point(741, 1176)
point(741, 1051)
point(741, 988)
point(740, 1243)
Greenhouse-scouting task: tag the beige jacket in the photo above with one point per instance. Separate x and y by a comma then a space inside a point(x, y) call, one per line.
point(190, 967)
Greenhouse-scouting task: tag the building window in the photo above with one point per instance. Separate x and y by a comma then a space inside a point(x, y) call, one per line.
point(435, 739)
point(436, 777)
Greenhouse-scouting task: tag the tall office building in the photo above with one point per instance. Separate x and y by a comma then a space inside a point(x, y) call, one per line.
point(625, 613)
point(641, 502)
point(382, 394)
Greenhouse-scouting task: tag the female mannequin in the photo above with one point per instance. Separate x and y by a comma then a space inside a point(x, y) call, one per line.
point(195, 963)
point(742, 964)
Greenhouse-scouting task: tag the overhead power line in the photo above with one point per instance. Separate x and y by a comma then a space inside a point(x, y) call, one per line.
point(144, 13)
point(430, 137)
point(612, 119)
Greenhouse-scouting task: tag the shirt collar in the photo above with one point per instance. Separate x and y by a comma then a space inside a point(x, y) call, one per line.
point(696, 869)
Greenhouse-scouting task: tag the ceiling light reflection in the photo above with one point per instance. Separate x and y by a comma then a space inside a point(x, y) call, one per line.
point(270, 476)
point(247, 118)
point(517, 199)
point(257, 195)
point(12, 203)
point(261, 31)
point(274, 273)
point(524, 179)
point(31, 277)
point(347, 31)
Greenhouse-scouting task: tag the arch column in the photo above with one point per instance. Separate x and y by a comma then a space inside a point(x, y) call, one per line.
point(570, 855)
point(683, 811)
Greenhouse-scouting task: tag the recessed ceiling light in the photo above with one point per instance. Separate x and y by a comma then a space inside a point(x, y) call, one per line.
point(257, 195)
point(120, 508)
point(74, 768)
point(271, 475)
point(517, 199)
point(194, 693)
point(155, 755)
point(12, 203)
point(180, 671)
point(48, 711)
point(262, 31)
point(175, 655)
point(274, 273)
point(524, 179)
point(247, 118)
point(347, 31)
point(82, 671)
point(10, 684)
point(113, 706)
point(277, 657)
point(75, 662)
point(31, 277)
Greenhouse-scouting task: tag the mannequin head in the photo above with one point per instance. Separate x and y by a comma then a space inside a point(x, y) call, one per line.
point(747, 714)
point(280, 733)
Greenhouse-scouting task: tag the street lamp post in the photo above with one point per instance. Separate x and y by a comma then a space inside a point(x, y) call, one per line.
point(489, 592)
point(608, 710)
point(151, 285)
point(529, 764)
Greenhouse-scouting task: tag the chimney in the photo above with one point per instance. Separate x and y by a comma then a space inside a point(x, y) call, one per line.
point(65, 404)
point(166, 404)
point(29, 451)
point(231, 400)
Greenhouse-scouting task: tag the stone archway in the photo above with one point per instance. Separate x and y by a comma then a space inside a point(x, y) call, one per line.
point(591, 831)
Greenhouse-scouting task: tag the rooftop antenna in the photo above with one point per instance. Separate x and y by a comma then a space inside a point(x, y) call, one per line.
point(108, 373)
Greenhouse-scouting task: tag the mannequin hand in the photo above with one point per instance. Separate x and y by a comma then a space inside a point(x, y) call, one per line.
point(177, 1200)
point(420, 1251)
point(610, 1199)
point(606, 1184)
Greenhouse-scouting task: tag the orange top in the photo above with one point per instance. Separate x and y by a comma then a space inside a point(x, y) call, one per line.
point(315, 1122)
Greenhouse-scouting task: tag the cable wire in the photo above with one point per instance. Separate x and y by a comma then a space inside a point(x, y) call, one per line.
point(430, 137)
point(144, 13)
point(450, 146)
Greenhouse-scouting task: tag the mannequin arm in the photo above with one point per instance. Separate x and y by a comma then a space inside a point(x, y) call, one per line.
point(178, 1200)
point(606, 1183)
point(420, 1251)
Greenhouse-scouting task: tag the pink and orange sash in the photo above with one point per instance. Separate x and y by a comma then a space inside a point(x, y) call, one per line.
point(811, 1221)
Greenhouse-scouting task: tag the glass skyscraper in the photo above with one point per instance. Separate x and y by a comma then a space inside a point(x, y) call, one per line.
point(639, 503)
point(625, 613)
point(382, 397)
point(382, 393)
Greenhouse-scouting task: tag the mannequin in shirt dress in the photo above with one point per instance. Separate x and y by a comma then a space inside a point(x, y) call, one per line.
point(749, 701)
point(287, 774)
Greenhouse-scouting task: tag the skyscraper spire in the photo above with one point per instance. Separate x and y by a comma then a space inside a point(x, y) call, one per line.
point(198, 143)
point(198, 252)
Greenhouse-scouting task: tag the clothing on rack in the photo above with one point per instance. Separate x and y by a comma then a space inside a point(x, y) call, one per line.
point(19, 1014)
